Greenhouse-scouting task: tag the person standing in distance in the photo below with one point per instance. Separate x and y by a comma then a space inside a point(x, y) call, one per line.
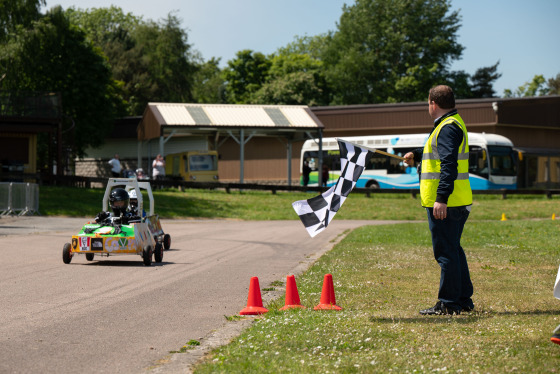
point(446, 194)
point(306, 171)
point(158, 168)
point(115, 166)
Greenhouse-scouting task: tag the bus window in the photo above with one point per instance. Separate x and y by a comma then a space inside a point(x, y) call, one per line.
point(330, 158)
point(478, 161)
point(377, 162)
point(392, 165)
point(203, 162)
point(502, 161)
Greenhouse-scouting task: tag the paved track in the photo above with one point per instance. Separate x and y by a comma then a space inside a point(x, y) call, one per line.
point(117, 316)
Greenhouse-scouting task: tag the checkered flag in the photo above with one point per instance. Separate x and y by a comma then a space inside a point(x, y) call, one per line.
point(316, 213)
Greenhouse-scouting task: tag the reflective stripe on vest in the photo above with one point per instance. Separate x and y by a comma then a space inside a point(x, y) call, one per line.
point(431, 166)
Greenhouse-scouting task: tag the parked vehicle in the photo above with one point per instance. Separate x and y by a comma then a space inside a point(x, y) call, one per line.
point(492, 161)
point(200, 166)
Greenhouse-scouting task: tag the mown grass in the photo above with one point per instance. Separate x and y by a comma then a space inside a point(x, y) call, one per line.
point(260, 205)
point(383, 275)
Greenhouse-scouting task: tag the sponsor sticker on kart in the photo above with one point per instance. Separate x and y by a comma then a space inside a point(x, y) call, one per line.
point(119, 244)
point(96, 244)
point(142, 235)
point(154, 225)
point(83, 242)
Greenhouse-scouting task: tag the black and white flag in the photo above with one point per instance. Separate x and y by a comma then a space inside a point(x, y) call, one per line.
point(316, 213)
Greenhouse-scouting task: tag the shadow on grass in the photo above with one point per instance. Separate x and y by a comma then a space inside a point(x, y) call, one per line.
point(462, 318)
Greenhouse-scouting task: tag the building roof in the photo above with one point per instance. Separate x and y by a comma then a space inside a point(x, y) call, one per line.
point(161, 118)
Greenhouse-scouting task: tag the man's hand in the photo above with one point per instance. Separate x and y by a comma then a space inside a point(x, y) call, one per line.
point(440, 210)
point(409, 159)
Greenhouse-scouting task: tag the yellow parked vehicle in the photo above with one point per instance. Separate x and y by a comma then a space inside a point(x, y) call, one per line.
point(199, 166)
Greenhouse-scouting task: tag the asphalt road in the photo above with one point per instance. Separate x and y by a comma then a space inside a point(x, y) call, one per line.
point(116, 315)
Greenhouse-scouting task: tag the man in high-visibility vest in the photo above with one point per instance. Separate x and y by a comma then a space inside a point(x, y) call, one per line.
point(446, 194)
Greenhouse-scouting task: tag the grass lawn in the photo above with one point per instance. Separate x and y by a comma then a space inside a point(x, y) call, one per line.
point(261, 205)
point(383, 275)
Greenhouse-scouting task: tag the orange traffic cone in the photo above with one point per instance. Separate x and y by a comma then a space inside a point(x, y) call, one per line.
point(327, 295)
point(254, 301)
point(292, 295)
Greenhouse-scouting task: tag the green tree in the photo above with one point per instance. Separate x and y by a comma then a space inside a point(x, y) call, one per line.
point(245, 75)
point(294, 79)
point(536, 87)
point(55, 56)
point(483, 80)
point(152, 61)
point(208, 83)
point(14, 13)
point(554, 85)
point(169, 58)
point(390, 51)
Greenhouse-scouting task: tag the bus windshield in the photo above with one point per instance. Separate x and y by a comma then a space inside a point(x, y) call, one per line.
point(497, 161)
point(203, 162)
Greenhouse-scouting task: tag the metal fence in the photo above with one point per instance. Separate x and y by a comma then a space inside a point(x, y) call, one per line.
point(19, 198)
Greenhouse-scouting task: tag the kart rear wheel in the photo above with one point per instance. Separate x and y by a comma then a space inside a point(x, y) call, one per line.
point(167, 241)
point(158, 253)
point(89, 256)
point(147, 255)
point(67, 253)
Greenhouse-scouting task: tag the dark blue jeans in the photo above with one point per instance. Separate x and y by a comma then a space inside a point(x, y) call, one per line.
point(455, 287)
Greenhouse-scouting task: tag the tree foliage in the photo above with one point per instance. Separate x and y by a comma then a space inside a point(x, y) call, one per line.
point(554, 85)
point(482, 81)
point(54, 56)
point(245, 75)
point(18, 13)
point(208, 82)
point(536, 87)
point(293, 79)
point(391, 51)
point(152, 61)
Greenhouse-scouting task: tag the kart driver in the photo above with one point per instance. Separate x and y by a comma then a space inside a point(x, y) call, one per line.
point(118, 200)
point(134, 204)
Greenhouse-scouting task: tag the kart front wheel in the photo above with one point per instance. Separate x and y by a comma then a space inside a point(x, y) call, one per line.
point(158, 253)
point(66, 253)
point(167, 241)
point(147, 255)
point(89, 256)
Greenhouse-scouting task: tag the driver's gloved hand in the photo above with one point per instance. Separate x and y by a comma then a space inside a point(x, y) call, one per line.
point(102, 216)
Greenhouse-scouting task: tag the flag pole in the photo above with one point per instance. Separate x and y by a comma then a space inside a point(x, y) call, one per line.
point(373, 150)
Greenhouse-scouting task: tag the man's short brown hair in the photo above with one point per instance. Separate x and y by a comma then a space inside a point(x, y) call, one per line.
point(443, 96)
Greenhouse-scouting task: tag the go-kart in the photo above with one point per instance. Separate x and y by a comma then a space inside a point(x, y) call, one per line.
point(114, 235)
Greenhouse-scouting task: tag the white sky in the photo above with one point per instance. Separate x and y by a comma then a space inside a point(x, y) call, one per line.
point(521, 34)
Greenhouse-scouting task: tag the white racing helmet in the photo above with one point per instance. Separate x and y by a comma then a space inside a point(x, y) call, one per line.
point(132, 194)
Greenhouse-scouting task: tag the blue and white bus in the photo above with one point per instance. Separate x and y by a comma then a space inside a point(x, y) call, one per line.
point(492, 161)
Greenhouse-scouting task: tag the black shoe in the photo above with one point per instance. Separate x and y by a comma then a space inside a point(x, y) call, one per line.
point(439, 309)
point(467, 309)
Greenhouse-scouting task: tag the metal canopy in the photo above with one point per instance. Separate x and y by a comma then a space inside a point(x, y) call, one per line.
point(221, 122)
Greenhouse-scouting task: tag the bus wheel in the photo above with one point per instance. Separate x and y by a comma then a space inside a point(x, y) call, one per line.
point(373, 185)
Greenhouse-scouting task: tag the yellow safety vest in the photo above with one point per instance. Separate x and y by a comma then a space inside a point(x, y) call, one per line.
point(431, 168)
